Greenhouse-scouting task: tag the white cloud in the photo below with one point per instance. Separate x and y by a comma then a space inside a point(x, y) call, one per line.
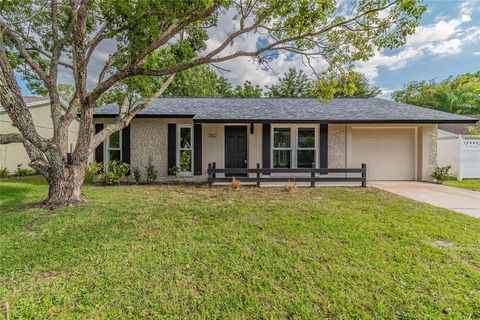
point(442, 38)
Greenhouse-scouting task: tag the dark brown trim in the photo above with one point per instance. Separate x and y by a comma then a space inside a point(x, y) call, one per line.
point(197, 149)
point(99, 149)
point(126, 144)
point(162, 116)
point(262, 172)
point(333, 121)
point(171, 146)
point(167, 116)
point(266, 145)
point(323, 146)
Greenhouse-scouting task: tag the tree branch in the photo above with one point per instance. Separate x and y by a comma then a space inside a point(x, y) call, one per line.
point(125, 117)
point(28, 58)
point(10, 138)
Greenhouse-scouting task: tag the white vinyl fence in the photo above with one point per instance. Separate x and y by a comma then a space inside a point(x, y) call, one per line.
point(469, 157)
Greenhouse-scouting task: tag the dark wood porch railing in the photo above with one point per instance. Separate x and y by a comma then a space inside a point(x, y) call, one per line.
point(213, 171)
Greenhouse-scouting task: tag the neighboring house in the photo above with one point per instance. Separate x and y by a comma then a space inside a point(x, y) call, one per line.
point(14, 155)
point(459, 150)
point(397, 141)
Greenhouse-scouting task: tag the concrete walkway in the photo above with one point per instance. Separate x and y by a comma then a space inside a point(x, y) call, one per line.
point(456, 199)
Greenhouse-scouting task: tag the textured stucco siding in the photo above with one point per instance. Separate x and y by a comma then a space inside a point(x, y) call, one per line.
point(149, 140)
point(429, 161)
point(336, 145)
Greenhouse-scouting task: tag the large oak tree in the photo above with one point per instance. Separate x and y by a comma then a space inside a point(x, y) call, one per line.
point(155, 39)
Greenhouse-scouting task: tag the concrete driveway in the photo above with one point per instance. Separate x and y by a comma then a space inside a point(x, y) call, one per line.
point(456, 199)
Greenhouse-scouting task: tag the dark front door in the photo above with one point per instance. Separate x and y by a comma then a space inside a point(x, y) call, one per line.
point(235, 148)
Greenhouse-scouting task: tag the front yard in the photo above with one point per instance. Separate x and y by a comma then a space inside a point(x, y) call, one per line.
point(470, 184)
point(194, 252)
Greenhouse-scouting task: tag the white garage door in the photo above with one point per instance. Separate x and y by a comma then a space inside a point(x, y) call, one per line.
point(388, 152)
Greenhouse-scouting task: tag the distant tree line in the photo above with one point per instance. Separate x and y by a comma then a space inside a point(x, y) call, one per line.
point(202, 81)
point(460, 94)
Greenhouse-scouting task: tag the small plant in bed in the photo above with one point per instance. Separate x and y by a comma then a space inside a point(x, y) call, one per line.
point(152, 173)
point(4, 172)
point(136, 175)
point(23, 172)
point(440, 174)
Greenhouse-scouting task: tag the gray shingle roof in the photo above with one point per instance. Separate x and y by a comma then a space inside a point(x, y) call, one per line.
point(290, 110)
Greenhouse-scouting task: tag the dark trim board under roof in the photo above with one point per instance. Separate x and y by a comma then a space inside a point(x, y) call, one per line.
point(288, 110)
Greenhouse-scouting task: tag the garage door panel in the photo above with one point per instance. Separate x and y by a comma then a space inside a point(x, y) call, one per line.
point(388, 152)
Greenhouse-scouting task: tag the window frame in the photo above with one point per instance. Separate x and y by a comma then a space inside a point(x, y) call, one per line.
point(108, 148)
point(315, 144)
point(294, 142)
point(179, 149)
point(273, 149)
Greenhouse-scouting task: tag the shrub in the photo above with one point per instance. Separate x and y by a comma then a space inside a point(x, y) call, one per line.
point(440, 174)
point(4, 172)
point(119, 168)
point(235, 184)
point(152, 173)
point(117, 171)
point(291, 186)
point(95, 168)
point(23, 172)
point(136, 174)
point(174, 170)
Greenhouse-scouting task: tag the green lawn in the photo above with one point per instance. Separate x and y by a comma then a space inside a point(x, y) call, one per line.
point(200, 253)
point(470, 184)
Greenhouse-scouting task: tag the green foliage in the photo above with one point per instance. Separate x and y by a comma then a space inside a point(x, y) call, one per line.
point(95, 168)
point(200, 81)
point(4, 172)
point(328, 86)
point(186, 161)
point(23, 172)
point(345, 84)
point(473, 130)
point(136, 174)
point(135, 26)
point(440, 174)
point(152, 172)
point(66, 91)
point(116, 172)
point(294, 84)
point(459, 94)
point(174, 170)
point(247, 91)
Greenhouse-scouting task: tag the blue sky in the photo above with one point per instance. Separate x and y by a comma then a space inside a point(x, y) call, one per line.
point(455, 20)
point(446, 43)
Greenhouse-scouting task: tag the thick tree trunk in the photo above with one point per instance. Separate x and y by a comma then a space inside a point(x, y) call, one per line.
point(66, 188)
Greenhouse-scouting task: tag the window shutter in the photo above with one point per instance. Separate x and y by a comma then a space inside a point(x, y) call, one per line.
point(126, 145)
point(324, 146)
point(172, 146)
point(266, 146)
point(197, 149)
point(99, 149)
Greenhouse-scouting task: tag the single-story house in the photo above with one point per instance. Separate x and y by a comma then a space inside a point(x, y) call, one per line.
point(397, 141)
point(14, 155)
point(456, 148)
